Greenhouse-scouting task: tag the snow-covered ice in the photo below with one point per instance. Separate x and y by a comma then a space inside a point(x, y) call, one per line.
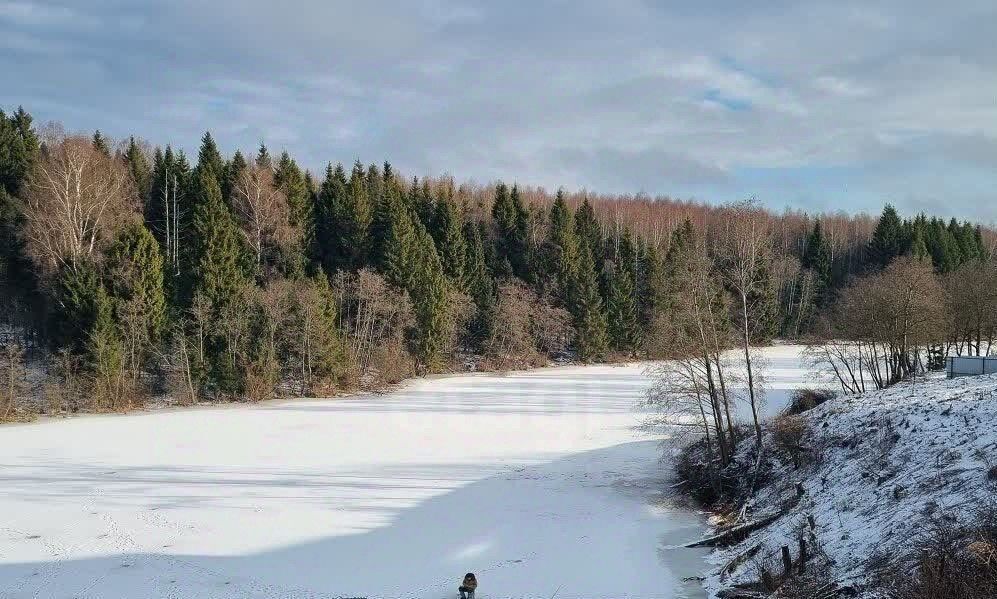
point(541, 482)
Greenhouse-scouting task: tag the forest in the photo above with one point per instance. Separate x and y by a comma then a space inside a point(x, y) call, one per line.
point(130, 271)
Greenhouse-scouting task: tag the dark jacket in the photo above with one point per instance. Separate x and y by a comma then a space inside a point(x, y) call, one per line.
point(470, 582)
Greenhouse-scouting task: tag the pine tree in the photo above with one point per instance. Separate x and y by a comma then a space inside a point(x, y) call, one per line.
point(887, 239)
point(590, 321)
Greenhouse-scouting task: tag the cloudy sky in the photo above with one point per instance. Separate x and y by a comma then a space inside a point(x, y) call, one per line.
point(818, 105)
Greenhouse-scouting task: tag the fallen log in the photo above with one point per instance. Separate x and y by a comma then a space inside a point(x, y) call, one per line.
point(737, 533)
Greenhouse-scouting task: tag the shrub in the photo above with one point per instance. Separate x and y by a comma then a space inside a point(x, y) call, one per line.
point(807, 399)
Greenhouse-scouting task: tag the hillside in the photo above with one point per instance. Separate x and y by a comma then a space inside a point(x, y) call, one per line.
point(879, 474)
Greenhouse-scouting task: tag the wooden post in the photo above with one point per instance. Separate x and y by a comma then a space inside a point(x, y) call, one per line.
point(787, 561)
point(803, 555)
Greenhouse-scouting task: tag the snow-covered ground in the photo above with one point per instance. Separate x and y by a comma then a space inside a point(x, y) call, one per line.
point(542, 483)
point(888, 462)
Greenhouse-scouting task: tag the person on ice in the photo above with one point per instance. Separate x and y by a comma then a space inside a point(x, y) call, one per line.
point(467, 587)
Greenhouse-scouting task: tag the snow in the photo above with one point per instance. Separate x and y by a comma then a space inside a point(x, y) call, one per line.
point(891, 460)
point(543, 483)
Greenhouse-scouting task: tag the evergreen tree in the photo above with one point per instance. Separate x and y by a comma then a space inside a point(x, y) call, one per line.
point(564, 244)
point(353, 216)
point(449, 237)
point(817, 259)
point(887, 239)
point(763, 306)
point(422, 202)
point(650, 284)
point(431, 299)
point(138, 164)
point(77, 293)
point(478, 282)
point(291, 181)
point(209, 159)
point(590, 321)
point(511, 232)
point(263, 158)
point(590, 232)
point(100, 143)
point(401, 254)
point(621, 308)
point(232, 171)
point(219, 255)
point(328, 244)
point(19, 148)
point(135, 281)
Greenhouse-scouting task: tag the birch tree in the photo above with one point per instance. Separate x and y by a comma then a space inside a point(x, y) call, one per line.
point(77, 199)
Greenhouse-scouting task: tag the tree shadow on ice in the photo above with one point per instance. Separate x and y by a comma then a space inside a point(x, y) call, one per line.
point(592, 525)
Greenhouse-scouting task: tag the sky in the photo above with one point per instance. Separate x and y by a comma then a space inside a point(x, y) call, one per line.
point(813, 105)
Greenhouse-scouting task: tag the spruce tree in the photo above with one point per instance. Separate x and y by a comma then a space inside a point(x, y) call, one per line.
point(401, 254)
point(209, 158)
point(291, 181)
point(430, 294)
point(233, 169)
point(887, 239)
point(76, 295)
point(100, 143)
point(817, 259)
point(448, 234)
point(564, 244)
point(135, 281)
point(139, 167)
point(478, 283)
point(511, 232)
point(219, 255)
point(622, 311)
point(328, 244)
point(590, 232)
point(590, 321)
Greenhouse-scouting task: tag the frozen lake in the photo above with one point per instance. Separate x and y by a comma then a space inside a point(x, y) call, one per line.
point(540, 482)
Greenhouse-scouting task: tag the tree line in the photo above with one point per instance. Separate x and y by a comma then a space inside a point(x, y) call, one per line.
point(128, 270)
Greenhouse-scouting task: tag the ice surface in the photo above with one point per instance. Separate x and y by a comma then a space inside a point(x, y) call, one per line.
point(540, 482)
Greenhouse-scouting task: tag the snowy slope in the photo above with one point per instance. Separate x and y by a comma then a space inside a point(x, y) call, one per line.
point(888, 461)
point(540, 482)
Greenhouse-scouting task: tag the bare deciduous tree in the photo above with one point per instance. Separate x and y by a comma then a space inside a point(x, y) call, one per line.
point(263, 212)
point(12, 369)
point(77, 199)
point(742, 252)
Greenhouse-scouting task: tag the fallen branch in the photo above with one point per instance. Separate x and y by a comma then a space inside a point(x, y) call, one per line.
point(737, 533)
